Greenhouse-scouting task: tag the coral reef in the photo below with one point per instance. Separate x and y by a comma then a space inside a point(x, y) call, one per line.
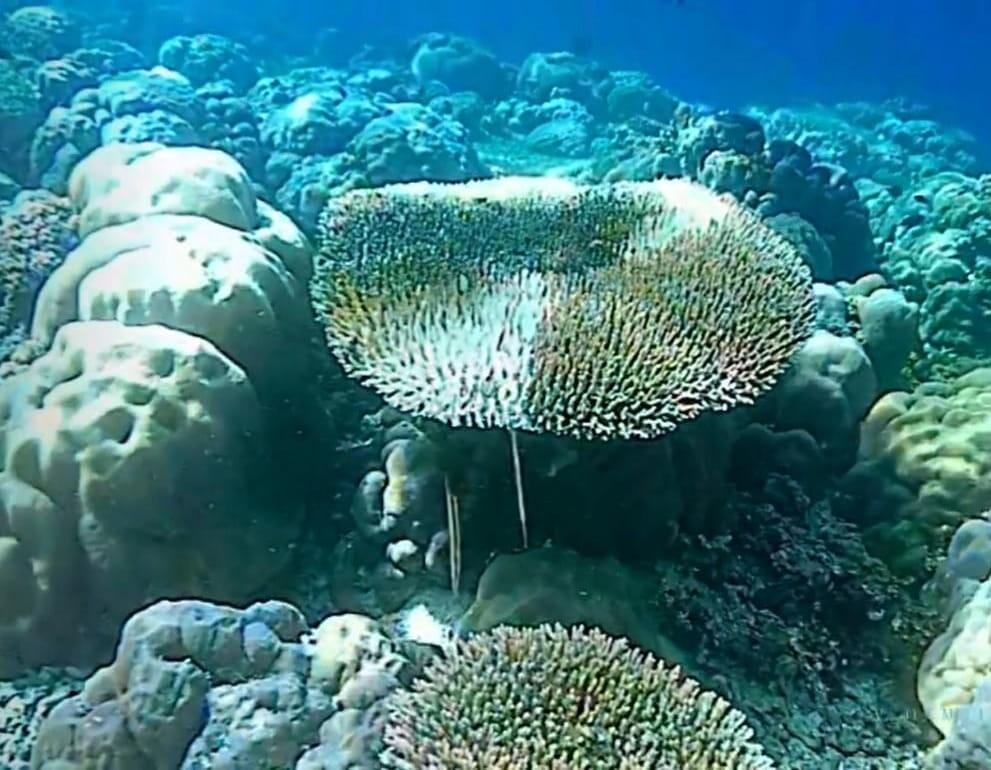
point(935, 246)
point(39, 31)
point(550, 697)
point(172, 426)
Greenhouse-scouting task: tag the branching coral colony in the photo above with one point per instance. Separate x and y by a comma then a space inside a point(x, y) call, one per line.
point(602, 705)
point(536, 304)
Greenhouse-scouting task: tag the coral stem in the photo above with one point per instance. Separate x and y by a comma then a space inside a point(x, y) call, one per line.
point(453, 535)
point(518, 475)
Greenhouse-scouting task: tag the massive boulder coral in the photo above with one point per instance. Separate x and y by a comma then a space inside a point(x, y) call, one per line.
point(552, 697)
point(180, 317)
point(888, 327)
point(141, 105)
point(633, 95)
point(142, 91)
point(411, 143)
point(67, 135)
point(968, 744)
point(199, 685)
point(459, 63)
point(923, 467)
point(20, 113)
point(543, 76)
point(937, 238)
point(320, 122)
point(836, 375)
point(209, 57)
point(39, 31)
point(123, 182)
point(151, 486)
point(685, 304)
point(60, 79)
point(38, 569)
point(958, 662)
point(176, 237)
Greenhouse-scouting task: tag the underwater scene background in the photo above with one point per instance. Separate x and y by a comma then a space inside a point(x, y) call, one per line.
point(451, 385)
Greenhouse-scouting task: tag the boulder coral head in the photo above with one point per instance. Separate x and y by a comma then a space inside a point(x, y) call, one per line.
point(550, 698)
point(540, 305)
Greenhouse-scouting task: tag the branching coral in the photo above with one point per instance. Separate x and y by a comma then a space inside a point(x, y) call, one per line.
point(548, 698)
point(593, 312)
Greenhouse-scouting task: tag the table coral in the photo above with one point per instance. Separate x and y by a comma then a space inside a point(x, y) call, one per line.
point(529, 330)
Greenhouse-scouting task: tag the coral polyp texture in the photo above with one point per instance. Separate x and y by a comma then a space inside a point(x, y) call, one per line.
point(608, 311)
point(36, 233)
point(550, 698)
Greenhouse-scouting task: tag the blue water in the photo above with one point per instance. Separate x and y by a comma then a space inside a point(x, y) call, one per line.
point(730, 53)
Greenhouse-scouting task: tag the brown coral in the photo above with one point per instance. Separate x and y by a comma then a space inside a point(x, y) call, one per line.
point(549, 698)
point(594, 312)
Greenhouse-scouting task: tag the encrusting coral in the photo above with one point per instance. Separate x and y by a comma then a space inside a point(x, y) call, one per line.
point(550, 698)
point(539, 305)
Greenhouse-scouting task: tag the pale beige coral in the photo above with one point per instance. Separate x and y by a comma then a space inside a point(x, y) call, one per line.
point(958, 661)
point(143, 436)
point(180, 316)
point(169, 241)
point(925, 464)
point(356, 659)
point(118, 183)
point(193, 275)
